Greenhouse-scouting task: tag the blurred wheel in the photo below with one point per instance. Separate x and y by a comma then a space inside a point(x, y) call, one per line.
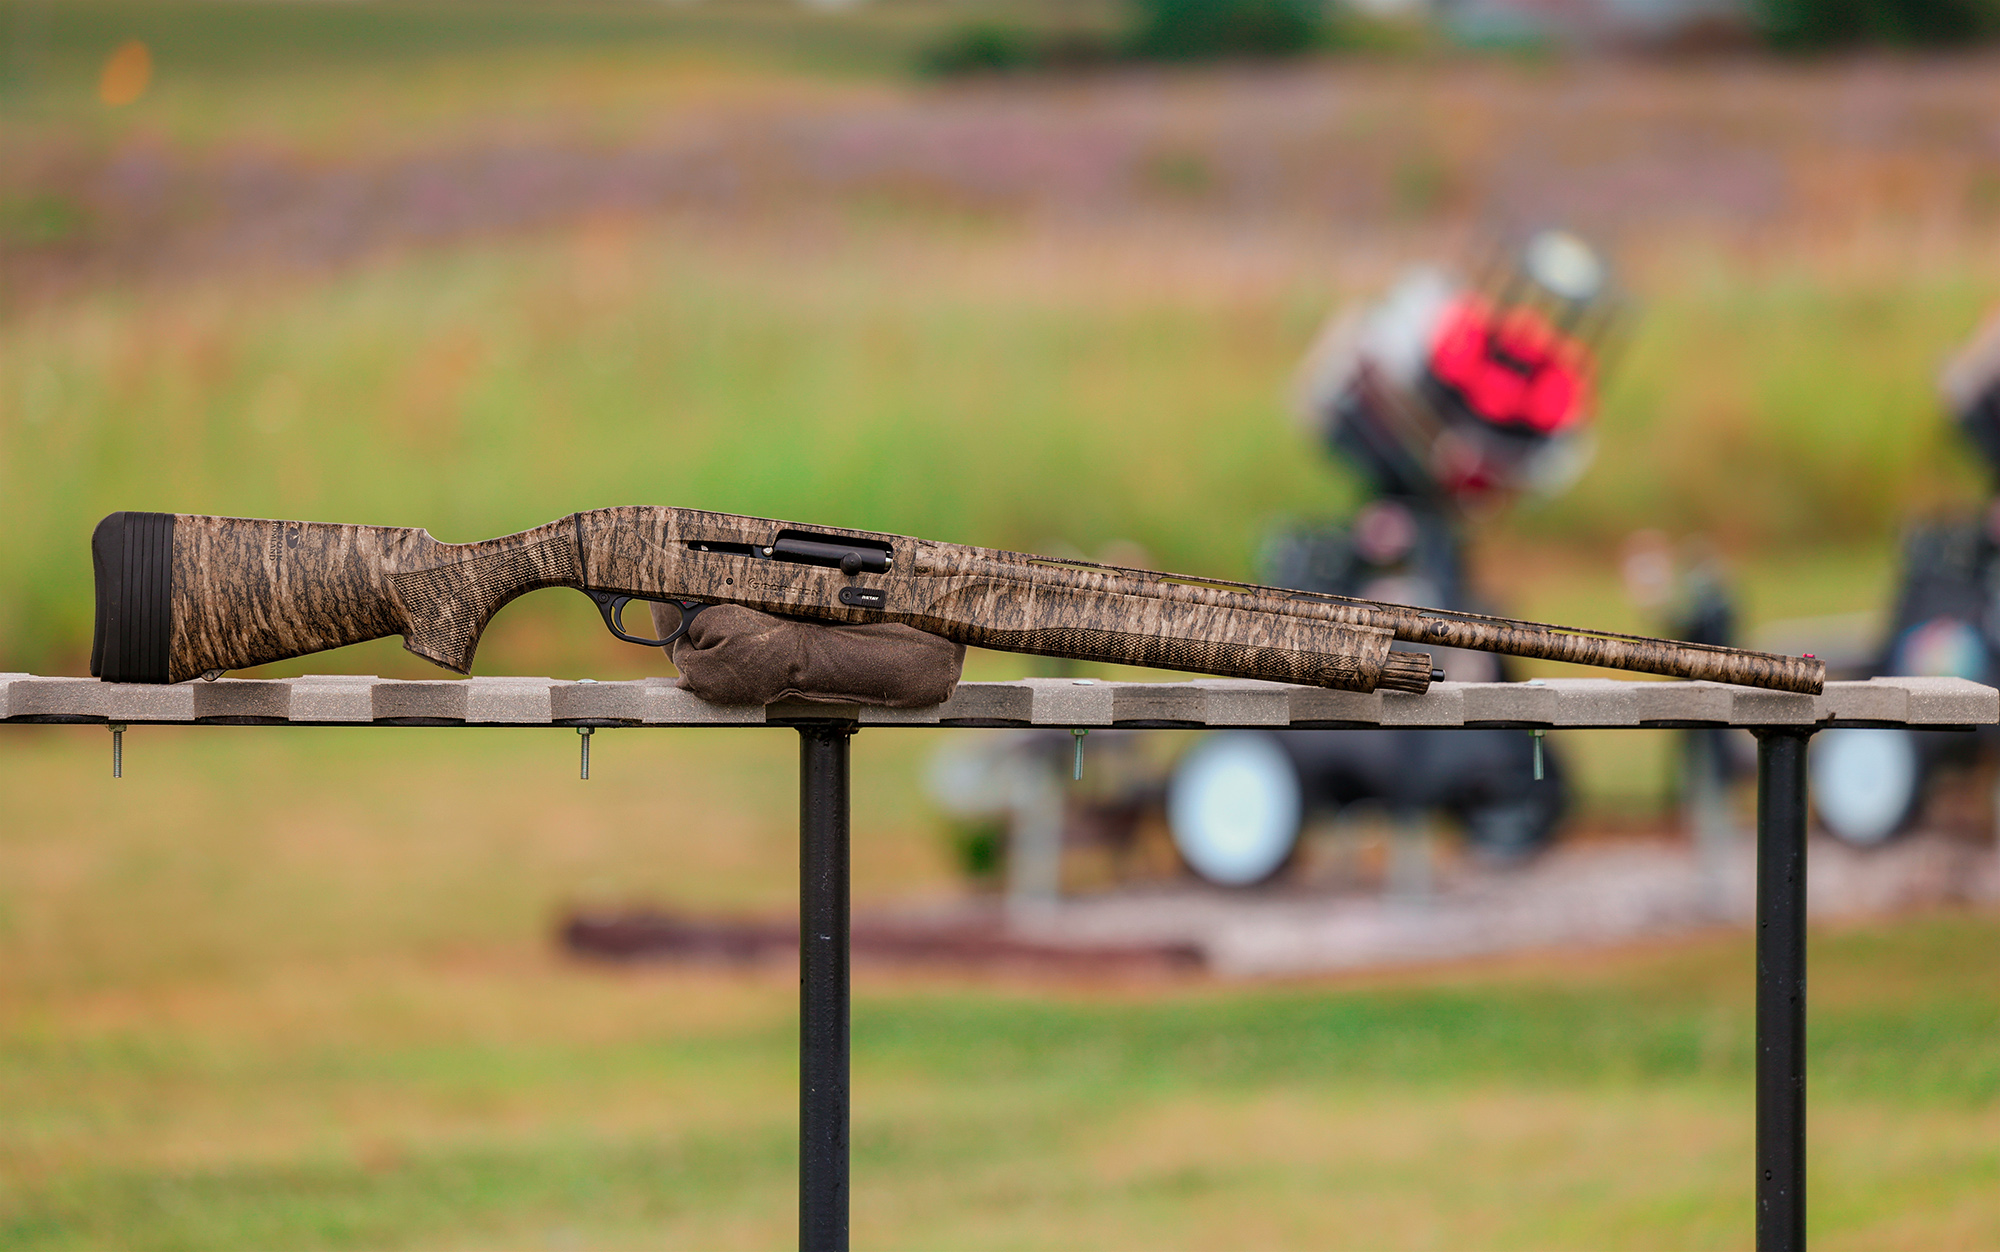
point(1234, 807)
point(1865, 782)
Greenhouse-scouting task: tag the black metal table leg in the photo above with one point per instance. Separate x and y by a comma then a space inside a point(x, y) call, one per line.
point(1781, 988)
point(823, 985)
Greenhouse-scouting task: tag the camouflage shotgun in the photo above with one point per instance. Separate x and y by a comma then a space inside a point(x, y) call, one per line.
point(182, 596)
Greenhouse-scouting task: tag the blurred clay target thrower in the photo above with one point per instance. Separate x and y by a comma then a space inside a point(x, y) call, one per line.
point(1869, 784)
point(1466, 392)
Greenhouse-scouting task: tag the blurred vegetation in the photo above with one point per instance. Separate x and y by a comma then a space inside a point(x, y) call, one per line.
point(41, 220)
point(291, 989)
point(476, 392)
point(266, 40)
point(979, 849)
point(294, 988)
point(488, 389)
point(1168, 31)
point(1008, 47)
point(1816, 24)
point(984, 48)
point(1199, 30)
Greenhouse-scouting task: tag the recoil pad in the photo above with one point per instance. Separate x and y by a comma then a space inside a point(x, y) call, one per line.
point(132, 555)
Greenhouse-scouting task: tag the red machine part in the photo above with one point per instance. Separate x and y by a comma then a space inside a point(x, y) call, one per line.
point(1511, 367)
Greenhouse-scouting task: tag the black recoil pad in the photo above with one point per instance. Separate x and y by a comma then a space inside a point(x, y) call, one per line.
point(132, 555)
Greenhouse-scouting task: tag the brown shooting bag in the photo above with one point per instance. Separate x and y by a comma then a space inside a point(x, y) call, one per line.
point(734, 655)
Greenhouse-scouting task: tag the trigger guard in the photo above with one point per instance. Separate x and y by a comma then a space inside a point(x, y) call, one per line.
point(611, 607)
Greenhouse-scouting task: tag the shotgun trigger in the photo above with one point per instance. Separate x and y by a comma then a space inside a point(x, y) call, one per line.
point(611, 606)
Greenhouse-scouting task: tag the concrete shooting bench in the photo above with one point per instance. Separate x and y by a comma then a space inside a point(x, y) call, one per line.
point(1782, 723)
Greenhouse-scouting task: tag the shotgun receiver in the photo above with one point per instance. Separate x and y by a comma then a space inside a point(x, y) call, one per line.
point(182, 596)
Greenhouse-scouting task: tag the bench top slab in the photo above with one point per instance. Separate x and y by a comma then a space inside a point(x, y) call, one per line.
point(1555, 703)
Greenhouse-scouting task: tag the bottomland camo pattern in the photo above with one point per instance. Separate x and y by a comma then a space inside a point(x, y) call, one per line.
point(248, 591)
point(1200, 657)
point(456, 601)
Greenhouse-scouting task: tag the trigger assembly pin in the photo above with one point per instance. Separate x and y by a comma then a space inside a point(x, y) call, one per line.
point(583, 736)
point(1076, 769)
point(118, 749)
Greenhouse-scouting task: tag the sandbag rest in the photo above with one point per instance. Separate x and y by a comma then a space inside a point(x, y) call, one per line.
point(735, 655)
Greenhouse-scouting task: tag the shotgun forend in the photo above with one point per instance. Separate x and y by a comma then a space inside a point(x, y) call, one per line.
point(182, 596)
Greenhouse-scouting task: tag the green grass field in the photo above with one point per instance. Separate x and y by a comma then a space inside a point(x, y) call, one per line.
point(971, 388)
point(297, 988)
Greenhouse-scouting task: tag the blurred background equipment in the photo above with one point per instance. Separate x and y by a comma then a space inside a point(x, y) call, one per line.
point(1689, 590)
point(1870, 785)
point(1235, 806)
point(1446, 399)
point(1018, 819)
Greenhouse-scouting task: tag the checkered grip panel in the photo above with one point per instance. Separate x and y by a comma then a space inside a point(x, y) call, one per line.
point(449, 605)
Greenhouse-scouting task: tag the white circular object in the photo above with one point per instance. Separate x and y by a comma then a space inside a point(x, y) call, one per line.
point(1565, 265)
point(1234, 806)
point(1864, 782)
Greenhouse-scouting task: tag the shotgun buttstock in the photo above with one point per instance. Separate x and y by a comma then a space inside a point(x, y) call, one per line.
point(247, 591)
point(180, 596)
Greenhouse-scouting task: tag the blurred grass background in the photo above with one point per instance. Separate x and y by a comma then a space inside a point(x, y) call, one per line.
point(292, 989)
point(472, 266)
